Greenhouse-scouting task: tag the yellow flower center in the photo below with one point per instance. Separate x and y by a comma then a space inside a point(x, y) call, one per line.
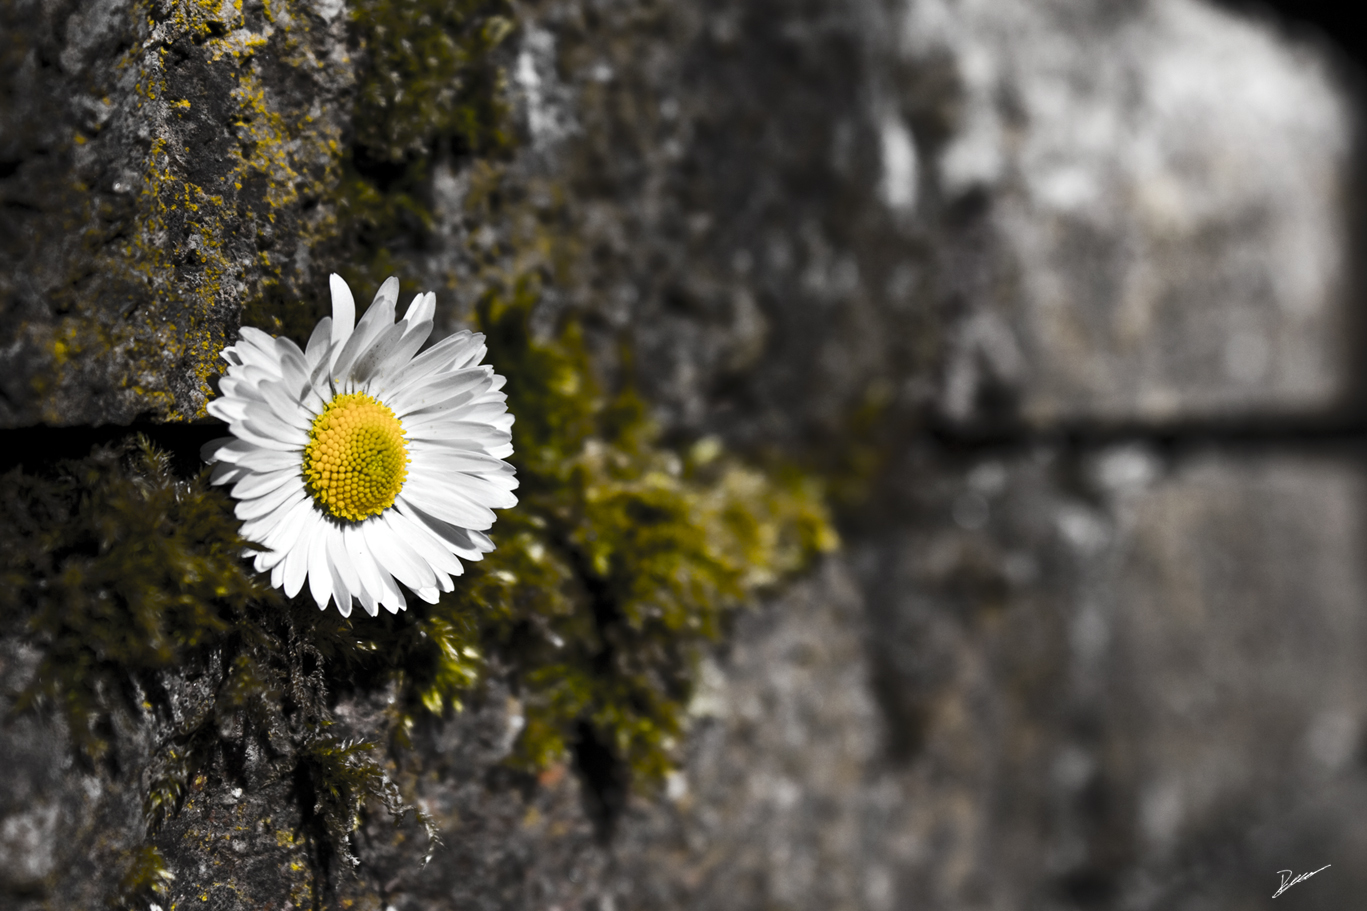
point(356, 460)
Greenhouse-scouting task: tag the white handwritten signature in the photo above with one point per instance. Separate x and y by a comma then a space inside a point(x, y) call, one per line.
point(1288, 883)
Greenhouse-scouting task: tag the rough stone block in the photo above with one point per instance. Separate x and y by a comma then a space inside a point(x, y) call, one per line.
point(1161, 191)
point(1126, 680)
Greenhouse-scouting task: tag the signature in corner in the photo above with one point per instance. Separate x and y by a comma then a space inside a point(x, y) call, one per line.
point(1287, 882)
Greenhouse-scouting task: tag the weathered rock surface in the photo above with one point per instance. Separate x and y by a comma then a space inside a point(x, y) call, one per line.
point(1166, 187)
point(160, 165)
point(1054, 667)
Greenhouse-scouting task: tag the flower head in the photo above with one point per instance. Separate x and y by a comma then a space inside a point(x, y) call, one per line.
point(357, 461)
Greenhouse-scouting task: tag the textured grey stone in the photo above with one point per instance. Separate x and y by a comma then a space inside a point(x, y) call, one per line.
point(64, 829)
point(767, 811)
point(1165, 188)
point(1123, 680)
point(160, 166)
point(1040, 677)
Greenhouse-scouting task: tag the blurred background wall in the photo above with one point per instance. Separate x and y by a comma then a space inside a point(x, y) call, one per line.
point(1063, 299)
point(1096, 640)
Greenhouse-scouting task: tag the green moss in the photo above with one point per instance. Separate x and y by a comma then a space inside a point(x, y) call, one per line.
point(130, 583)
point(145, 880)
point(117, 571)
point(426, 77)
point(623, 558)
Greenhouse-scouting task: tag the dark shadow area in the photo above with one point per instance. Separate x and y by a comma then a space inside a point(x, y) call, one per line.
point(604, 779)
point(39, 447)
point(1333, 21)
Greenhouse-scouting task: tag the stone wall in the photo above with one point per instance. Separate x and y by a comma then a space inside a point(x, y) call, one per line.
point(1059, 300)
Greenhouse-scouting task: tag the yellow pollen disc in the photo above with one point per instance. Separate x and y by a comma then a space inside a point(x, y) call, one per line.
point(356, 459)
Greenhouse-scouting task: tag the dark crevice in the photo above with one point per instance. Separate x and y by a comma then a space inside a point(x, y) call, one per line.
point(1175, 437)
point(1330, 21)
point(602, 772)
point(314, 827)
point(605, 780)
point(38, 447)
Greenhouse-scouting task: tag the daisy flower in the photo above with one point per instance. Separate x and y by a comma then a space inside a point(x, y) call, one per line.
point(357, 463)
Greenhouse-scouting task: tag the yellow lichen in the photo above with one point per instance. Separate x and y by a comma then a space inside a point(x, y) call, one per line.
point(182, 257)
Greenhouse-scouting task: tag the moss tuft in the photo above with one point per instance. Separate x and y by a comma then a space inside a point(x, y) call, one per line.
point(117, 570)
point(145, 880)
point(131, 585)
point(623, 558)
point(426, 79)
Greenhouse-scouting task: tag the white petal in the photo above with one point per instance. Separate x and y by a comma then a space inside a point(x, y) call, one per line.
point(377, 319)
point(319, 342)
point(257, 348)
point(473, 486)
point(212, 450)
point(438, 458)
point(343, 310)
point(396, 557)
point(490, 413)
point(344, 605)
point(227, 449)
point(285, 405)
point(247, 435)
point(258, 484)
point(480, 541)
point(447, 504)
point(456, 443)
point(257, 338)
point(368, 364)
point(341, 593)
point(386, 373)
point(438, 388)
point(341, 561)
point(250, 375)
point(387, 297)
point(444, 355)
point(283, 497)
point(297, 560)
point(421, 309)
point(259, 459)
point(320, 578)
point(392, 598)
point(462, 435)
point(428, 546)
point(467, 544)
point(371, 587)
point(290, 354)
point(261, 420)
point(279, 531)
point(226, 473)
point(229, 411)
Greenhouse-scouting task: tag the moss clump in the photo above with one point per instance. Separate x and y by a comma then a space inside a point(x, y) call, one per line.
point(131, 585)
point(623, 558)
point(426, 78)
point(117, 571)
point(145, 880)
